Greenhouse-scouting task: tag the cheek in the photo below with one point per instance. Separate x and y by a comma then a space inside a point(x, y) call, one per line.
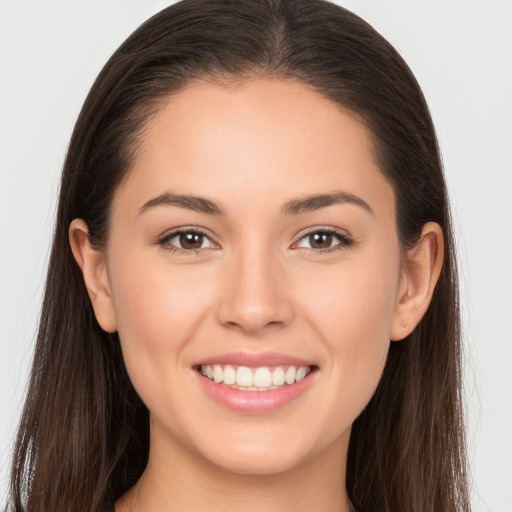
point(155, 303)
point(353, 316)
point(352, 300)
point(158, 313)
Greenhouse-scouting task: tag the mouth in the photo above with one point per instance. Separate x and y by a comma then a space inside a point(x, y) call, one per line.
point(262, 378)
point(255, 383)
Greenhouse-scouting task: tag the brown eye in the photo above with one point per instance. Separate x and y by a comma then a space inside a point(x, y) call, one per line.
point(324, 240)
point(320, 240)
point(191, 240)
point(187, 241)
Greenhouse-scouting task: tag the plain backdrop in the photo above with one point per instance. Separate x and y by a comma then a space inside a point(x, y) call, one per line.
point(461, 53)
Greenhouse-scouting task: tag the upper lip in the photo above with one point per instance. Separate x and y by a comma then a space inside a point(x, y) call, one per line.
point(254, 360)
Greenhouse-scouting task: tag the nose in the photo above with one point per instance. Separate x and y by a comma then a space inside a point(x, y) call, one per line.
point(255, 296)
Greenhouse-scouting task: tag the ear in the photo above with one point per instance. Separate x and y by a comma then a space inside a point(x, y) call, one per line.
point(421, 270)
point(94, 270)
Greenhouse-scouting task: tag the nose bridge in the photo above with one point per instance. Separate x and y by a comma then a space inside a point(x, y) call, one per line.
point(255, 295)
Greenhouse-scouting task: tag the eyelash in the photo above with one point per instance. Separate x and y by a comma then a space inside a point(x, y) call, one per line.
point(345, 241)
point(164, 240)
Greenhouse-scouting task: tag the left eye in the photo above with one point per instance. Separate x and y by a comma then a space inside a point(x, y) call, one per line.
point(323, 240)
point(189, 240)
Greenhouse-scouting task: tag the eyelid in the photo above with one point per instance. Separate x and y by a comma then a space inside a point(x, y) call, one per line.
point(344, 237)
point(163, 239)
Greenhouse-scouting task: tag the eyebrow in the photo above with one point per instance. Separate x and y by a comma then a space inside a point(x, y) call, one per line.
point(197, 204)
point(293, 207)
point(315, 202)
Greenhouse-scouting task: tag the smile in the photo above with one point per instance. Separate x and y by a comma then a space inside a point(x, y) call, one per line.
point(263, 378)
point(255, 383)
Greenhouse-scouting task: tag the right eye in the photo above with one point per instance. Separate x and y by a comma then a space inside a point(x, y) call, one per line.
point(186, 241)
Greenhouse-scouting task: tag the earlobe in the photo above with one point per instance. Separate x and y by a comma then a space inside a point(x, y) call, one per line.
point(94, 270)
point(421, 270)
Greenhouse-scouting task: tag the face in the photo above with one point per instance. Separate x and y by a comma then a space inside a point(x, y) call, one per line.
point(253, 243)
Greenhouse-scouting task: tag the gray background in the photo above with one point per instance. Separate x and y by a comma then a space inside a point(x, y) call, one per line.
point(461, 53)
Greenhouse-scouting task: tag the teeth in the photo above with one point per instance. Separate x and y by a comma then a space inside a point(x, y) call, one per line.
point(244, 376)
point(278, 376)
point(290, 374)
point(262, 378)
point(218, 374)
point(254, 379)
point(229, 375)
point(301, 373)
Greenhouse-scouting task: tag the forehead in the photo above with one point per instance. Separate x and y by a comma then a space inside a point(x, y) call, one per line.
point(253, 138)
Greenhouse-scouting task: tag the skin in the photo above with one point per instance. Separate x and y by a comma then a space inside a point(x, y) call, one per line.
point(256, 284)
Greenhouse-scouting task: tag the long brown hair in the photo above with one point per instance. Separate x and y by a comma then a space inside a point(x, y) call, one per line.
point(84, 436)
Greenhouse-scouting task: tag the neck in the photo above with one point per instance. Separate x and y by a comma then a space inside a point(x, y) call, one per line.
point(184, 481)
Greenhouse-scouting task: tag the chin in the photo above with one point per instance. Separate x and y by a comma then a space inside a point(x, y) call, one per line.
point(263, 455)
point(261, 464)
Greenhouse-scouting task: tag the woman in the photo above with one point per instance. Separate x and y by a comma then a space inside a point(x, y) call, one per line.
point(252, 207)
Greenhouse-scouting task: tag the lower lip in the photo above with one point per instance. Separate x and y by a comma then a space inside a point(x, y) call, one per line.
point(255, 402)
